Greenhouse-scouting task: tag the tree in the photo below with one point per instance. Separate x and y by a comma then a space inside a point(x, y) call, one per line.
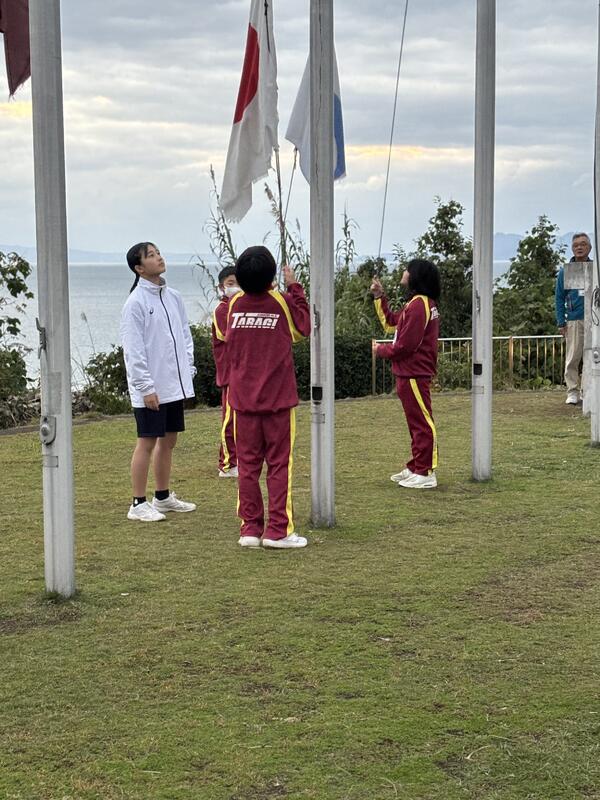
point(524, 298)
point(445, 244)
point(14, 272)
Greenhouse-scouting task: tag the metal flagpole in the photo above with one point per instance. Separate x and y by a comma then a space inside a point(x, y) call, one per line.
point(594, 387)
point(53, 295)
point(322, 264)
point(483, 239)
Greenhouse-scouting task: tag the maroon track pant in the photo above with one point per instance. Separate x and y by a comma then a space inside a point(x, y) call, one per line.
point(415, 397)
point(227, 456)
point(265, 438)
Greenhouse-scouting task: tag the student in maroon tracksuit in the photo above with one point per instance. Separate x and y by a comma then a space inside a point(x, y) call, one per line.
point(228, 287)
point(262, 324)
point(413, 354)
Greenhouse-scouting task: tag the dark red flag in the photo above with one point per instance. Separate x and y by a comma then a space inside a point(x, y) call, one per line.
point(249, 82)
point(14, 24)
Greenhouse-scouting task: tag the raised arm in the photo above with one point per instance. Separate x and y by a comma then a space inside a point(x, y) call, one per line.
point(297, 304)
point(387, 317)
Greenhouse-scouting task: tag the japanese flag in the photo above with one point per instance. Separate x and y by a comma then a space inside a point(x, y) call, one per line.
point(254, 132)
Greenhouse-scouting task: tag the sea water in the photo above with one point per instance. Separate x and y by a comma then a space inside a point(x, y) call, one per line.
point(97, 294)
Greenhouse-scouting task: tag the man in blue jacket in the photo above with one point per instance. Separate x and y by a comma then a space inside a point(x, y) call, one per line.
point(569, 318)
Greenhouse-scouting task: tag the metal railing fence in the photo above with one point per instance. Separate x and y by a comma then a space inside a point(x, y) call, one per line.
point(519, 362)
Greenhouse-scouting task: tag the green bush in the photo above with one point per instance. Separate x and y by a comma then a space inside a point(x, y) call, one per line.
point(106, 388)
point(107, 381)
point(453, 374)
point(106, 372)
point(352, 366)
point(13, 373)
point(105, 402)
point(207, 391)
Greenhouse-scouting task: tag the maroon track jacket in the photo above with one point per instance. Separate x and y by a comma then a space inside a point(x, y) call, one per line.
point(219, 346)
point(413, 352)
point(260, 332)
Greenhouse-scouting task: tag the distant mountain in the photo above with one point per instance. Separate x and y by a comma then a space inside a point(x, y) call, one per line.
point(94, 257)
point(506, 244)
point(505, 248)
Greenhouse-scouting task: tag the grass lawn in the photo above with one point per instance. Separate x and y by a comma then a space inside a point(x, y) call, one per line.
point(435, 645)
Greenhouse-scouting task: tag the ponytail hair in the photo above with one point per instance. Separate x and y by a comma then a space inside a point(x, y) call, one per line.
point(134, 259)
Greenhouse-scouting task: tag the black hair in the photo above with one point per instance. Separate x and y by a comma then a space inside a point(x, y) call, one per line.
point(225, 273)
point(255, 270)
point(423, 278)
point(134, 259)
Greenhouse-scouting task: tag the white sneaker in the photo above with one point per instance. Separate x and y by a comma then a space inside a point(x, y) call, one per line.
point(401, 476)
point(249, 541)
point(572, 398)
point(230, 473)
point(291, 541)
point(419, 482)
point(172, 503)
point(144, 512)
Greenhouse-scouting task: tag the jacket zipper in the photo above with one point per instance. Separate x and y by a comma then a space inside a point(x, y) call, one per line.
point(174, 342)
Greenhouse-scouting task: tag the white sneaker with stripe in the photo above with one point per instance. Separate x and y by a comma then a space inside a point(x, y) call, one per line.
point(249, 541)
point(172, 503)
point(290, 542)
point(401, 476)
point(144, 512)
point(419, 482)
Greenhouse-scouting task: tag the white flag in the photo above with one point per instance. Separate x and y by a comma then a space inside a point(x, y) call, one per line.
point(254, 132)
point(298, 132)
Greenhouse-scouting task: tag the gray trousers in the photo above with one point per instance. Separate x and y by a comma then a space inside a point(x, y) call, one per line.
point(574, 353)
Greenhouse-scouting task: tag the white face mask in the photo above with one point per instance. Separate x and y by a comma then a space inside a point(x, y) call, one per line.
point(229, 291)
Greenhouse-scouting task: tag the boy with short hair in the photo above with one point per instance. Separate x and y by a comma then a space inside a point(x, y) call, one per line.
point(262, 324)
point(228, 288)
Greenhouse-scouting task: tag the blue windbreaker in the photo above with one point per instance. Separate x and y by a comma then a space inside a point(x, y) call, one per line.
point(569, 302)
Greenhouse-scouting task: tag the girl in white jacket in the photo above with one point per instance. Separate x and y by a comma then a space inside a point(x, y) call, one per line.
point(159, 360)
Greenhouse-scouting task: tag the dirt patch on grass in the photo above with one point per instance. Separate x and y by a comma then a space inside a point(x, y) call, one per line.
point(349, 695)
point(261, 689)
point(267, 792)
point(29, 622)
point(454, 766)
point(528, 595)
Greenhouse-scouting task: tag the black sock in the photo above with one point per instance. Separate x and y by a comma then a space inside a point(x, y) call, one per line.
point(161, 494)
point(139, 500)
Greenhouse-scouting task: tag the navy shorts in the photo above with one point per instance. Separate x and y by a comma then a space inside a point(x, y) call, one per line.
point(168, 419)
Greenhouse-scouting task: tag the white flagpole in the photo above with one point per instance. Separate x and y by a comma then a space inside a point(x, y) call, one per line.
point(53, 295)
point(483, 239)
point(322, 264)
point(594, 387)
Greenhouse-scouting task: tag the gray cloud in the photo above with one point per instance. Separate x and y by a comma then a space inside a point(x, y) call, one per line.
point(150, 89)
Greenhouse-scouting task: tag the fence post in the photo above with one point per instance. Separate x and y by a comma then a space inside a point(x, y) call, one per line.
point(373, 369)
point(511, 359)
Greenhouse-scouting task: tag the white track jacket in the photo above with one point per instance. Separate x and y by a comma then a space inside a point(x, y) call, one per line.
point(157, 344)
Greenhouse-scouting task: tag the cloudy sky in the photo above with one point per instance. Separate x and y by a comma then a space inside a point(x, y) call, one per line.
point(150, 89)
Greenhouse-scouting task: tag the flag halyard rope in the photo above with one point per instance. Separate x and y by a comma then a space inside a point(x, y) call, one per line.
point(282, 231)
point(387, 178)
